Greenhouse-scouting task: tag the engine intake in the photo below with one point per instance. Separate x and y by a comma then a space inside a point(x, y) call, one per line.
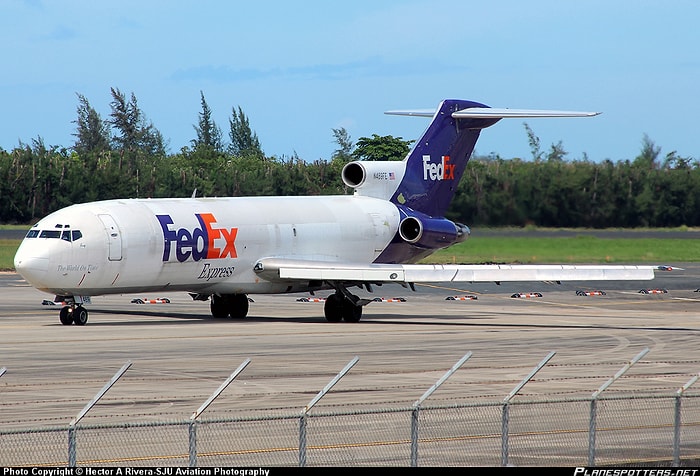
point(354, 174)
point(374, 178)
point(429, 232)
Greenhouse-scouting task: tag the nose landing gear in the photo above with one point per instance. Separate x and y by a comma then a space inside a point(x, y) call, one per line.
point(73, 313)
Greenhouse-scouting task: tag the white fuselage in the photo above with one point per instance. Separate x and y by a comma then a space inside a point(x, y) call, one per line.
point(201, 245)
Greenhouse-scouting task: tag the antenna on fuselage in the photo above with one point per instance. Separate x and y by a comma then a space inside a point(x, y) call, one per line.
point(194, 193)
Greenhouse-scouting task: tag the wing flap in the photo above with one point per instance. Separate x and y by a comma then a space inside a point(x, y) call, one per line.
point(372, 275)
point(497, 273)
point(282, 269)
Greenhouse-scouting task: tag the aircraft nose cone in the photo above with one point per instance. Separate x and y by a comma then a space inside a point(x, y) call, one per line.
point(31, 266)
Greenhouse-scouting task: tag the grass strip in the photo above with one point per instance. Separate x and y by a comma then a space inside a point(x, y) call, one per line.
point(569, 250)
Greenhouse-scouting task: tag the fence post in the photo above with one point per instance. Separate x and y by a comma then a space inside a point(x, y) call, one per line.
point(594, 403)
point(71, 447)
point(71, 427)
point(193, 443)
point(302, 440)
point(314, 401)
point(504, 433)
point(419, 402)
point(677, 421)
point(414, 436)
point(506, 406)
point(591, 431)
point(204, 406)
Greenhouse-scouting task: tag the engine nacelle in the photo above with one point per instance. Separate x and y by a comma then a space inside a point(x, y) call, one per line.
point(428, 232)
point(377, 179)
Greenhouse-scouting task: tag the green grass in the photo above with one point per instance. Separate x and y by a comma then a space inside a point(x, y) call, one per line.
point(532, 250)
point(579, 249)
point(8, 248)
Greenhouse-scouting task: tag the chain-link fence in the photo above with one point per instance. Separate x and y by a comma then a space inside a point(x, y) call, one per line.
point(635, 430)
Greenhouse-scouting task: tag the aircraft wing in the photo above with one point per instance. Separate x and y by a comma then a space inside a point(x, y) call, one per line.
point(275, 269)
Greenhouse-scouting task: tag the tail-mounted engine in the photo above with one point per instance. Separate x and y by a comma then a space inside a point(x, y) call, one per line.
point(377, 179)
point(428, 232)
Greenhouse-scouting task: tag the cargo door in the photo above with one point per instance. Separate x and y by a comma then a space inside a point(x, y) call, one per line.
point(114, 237)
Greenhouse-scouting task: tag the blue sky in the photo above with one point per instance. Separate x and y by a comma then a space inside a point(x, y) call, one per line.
point(300, 69)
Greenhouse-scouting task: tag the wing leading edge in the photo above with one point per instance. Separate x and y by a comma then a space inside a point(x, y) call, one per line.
point(285, 270)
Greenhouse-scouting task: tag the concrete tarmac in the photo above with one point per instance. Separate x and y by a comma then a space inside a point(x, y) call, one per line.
point(180, 355)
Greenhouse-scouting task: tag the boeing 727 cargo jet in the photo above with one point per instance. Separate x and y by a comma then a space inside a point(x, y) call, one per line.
point(222, 249)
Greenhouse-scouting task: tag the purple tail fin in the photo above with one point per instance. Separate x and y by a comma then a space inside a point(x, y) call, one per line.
point(433, 170)
point(437, 162)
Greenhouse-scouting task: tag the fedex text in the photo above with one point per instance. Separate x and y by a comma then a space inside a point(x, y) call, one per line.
point(208, 272)
point(204, 242)
point(442, 170)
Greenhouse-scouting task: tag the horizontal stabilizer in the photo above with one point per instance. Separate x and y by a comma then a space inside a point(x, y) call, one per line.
point(413, 112)
point(495, 113)
point(499, 113)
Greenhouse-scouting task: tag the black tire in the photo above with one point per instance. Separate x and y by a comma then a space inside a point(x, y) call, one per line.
point(333, 308)
point(65, 316)
point(218, 307)
point(351, 313)
point(80, 316)
point(238, 306)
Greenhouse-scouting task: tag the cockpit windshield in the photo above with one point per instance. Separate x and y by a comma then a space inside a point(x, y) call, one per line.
point(65, 235)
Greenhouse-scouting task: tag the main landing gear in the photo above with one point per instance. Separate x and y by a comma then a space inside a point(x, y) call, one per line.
point(229, 305)
point(73, 314)
point(342, 307)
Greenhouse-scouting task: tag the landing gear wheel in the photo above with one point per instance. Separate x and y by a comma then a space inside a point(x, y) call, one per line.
point(233, 305)
point(238, 306)
point(219, 307)
point(333, 308)
point(80, 316)
point(351, 312)
point(66, 316)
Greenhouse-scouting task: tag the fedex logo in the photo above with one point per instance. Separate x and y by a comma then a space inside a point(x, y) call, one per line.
point(438, 171)
point(205, 242)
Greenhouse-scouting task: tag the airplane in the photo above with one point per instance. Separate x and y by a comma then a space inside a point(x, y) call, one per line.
point(223, 249)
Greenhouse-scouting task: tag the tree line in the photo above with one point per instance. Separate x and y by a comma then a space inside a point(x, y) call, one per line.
point(125, 156)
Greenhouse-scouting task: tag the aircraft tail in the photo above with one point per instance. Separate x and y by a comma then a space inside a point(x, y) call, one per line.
point(437, 162)
point(435, 165)
point(423, 184)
